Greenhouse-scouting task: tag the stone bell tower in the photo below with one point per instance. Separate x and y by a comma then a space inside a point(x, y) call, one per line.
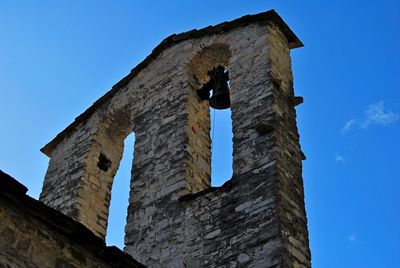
point(175, 218)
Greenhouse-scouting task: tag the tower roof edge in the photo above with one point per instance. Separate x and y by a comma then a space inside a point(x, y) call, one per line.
point(267, 16)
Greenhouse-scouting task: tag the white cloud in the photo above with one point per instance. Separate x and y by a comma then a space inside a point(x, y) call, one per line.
point(349, 125)
point(352, 238)
point(375, 114)
point(339, 158)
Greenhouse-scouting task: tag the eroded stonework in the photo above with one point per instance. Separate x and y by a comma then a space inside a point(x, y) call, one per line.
point(175, 218)
point(33, 235)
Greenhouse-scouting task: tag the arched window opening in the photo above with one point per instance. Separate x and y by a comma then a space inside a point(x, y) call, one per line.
point(210, 150)
point(221, 146)
point(216, 92)
point(120, 196)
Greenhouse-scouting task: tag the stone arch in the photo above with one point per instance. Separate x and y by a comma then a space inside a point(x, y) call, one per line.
point(199, 140)
point(205, 59)
point(102, 163)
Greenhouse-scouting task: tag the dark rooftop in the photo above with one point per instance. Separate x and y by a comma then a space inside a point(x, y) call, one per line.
point(15, 193)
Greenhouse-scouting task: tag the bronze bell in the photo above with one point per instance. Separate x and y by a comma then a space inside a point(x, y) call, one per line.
point(218, 83)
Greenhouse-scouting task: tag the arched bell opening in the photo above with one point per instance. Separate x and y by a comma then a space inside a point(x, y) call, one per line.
point(210, 124)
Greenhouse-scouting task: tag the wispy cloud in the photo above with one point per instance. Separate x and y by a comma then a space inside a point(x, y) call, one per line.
point(339, 158)
point(349, 125)
point(352, 238)
point(375, 114)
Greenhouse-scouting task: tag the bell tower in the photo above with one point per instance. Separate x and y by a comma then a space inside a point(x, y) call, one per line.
point(175, 218)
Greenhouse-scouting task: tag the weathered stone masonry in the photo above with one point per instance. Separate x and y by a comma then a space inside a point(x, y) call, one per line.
point(175, 218)
point(33, 235)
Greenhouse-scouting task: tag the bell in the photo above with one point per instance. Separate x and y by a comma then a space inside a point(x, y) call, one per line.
point(220, 95)
point(220, 89)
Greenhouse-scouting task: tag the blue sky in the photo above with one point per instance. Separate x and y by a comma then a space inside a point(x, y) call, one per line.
point(58, 57)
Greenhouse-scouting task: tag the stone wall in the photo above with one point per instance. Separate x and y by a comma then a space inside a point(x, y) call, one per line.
point(243, 221)
point(34, 235)
point(175, 218)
